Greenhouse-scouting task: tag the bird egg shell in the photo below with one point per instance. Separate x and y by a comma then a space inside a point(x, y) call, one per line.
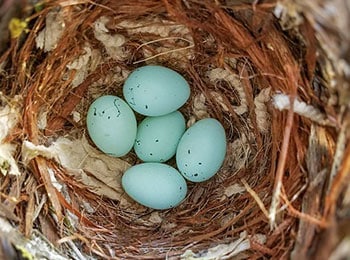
point(154, 90)
point(201, 150)
point(155, 185)
point(112, 126)
point(157, 137)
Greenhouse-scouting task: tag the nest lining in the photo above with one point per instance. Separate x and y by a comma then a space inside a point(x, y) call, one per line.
point(235, 59)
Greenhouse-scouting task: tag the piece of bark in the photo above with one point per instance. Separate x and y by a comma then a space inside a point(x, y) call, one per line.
point(317, 162)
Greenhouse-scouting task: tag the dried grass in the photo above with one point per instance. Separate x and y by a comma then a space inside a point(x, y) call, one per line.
point(235, 57)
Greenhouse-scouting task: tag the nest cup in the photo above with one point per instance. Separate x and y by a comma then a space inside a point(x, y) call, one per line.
point(244, 69)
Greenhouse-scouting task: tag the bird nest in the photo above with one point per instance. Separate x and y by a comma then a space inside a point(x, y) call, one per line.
point(264, 69)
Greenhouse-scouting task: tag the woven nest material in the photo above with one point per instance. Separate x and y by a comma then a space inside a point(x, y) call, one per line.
point(265, 70)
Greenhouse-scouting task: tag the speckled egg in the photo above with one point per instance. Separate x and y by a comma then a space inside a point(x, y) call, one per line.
point(157, 137)
point(155, 185)
point(201, 150)
point(112, 126)
point(155, 90)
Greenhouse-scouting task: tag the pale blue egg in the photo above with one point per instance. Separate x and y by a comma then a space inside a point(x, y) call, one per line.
point(157, 137)
point(155, 185)
point(201, 150)
point(155, 90)
point(112, 126)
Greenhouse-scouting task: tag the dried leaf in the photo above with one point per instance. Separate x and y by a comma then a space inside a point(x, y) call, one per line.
point(48, 38)
point(112, 43)
point(234, 189)
point(99, 172)
point(84, 64)
point(225, 251)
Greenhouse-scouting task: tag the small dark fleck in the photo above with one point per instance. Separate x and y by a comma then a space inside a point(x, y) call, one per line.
point(200, 163)
point(151, 154)
point(146, 125)
point(180, 188)
point(138, 142)
point(138, 85)
point(157, 140)
point(146, 106)
point(196, 174)
point(171, 206)
point(185, 173)
point(186, 164)
point(109, 117)
point(189, 151)
point(103, 112)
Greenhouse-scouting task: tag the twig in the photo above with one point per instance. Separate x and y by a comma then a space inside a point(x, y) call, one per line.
point(256, 197)
point(320, 222)
point(280, 167)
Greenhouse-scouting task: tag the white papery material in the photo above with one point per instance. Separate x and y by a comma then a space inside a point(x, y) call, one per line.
point(9, 117)
point(283, 102)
